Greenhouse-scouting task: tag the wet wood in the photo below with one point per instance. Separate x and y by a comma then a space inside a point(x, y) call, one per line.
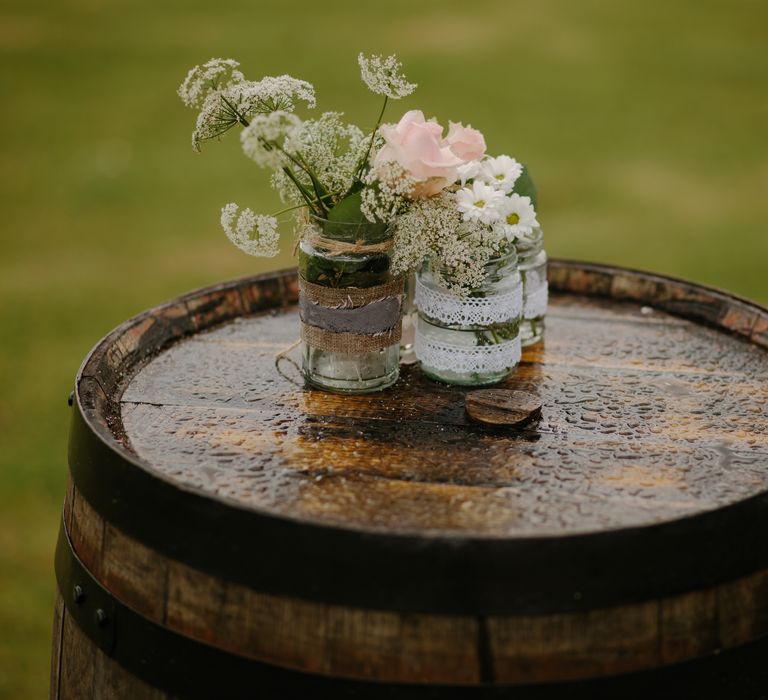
point(654, 392)
point(648, 417)
point(56, 646)
point(412, 648)
point(78, 663)
point(88, 673)
point(502, 406)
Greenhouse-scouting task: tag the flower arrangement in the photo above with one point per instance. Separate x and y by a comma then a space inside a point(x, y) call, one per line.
point(370, 206)
point(444, 194)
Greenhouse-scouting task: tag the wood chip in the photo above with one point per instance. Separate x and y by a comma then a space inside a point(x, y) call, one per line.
point(502, 406)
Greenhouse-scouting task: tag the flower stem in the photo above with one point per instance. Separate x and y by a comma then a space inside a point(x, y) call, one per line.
point(240, 117)
point(305, 204)
point(373, 134)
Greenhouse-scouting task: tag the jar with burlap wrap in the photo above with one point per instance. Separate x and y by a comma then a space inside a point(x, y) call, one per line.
point(473, 339)
point(532, 262)
point(350, 307)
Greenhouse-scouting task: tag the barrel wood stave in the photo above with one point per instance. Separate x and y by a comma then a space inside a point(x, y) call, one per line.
point(382, 471)
point(407, 648)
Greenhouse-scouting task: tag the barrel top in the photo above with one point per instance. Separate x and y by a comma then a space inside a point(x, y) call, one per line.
point(647, 416)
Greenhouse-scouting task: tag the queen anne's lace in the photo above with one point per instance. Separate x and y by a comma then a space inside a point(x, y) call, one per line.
point(255, 234)
point(382, 75)
point(464, 359)
point(259, 137)
point(453, 310)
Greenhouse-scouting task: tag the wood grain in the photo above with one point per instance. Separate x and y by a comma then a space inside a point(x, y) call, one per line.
point(348, 642)
point(88, 673)
point(654, 395)
point(502, 406)
point(645, 418)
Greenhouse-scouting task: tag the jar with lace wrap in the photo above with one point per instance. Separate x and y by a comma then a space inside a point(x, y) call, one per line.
point(350, 307)
point(532, 263)
point(474, 339)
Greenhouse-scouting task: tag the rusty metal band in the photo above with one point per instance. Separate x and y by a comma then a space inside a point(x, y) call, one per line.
point(331, 341)
point(349, 297)
point(336, 247)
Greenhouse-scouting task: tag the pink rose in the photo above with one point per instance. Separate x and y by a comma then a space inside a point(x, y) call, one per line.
point(419, 147)
point(467, 143)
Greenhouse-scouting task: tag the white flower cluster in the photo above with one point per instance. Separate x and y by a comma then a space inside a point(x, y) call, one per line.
point(280, 93)
point(434, 229)
point(216, 74)
point(331, 148)
point(255, 234)
point(387, 192)
point(486, 197)
point(224, 97)
point(383, 76)
point(459, 230)
point(262, 136)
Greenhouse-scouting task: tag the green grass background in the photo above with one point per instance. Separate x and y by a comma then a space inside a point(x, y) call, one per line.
point(644, 124)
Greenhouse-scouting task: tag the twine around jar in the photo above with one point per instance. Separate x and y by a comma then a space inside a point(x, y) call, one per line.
point(335, 247)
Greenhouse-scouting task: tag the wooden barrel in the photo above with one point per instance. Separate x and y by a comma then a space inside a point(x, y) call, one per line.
point(229, 533)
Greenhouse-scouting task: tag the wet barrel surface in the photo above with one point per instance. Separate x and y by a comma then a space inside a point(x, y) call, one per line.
point(387, 539)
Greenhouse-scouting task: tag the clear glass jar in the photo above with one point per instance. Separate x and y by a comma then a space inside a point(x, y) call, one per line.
point(532, 263)
point(472, 340)
point(369, 333)
point(407, 353)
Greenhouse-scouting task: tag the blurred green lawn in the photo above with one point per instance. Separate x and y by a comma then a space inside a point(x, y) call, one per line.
point(644, 125)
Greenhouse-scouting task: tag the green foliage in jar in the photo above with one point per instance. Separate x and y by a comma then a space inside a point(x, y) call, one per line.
point(498, 333)
point(346, 222)
point(338, 271)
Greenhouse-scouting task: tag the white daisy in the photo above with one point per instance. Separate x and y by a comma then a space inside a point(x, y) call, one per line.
point(468, 171)
point(501, 172)
point(518, 216)
point(480, 202)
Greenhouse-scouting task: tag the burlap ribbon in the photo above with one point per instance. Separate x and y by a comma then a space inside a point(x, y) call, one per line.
point(349, 297)
point(351, 319)
point(331, 341)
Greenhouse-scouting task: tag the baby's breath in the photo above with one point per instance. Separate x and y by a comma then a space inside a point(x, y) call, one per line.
point(383, 77)
point(255, 234)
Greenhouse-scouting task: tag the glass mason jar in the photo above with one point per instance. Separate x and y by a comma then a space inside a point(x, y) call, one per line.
point(472, 340)
point(407, 354)
point(532, 263)
point(350, 307)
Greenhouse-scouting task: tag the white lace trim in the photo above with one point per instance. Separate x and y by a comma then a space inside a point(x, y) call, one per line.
point(452, 310)
point(467, 358)
point(536, 302)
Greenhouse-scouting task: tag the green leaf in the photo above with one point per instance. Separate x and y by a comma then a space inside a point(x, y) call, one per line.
point(525, 188)
point(347, 223)
point(348, 210)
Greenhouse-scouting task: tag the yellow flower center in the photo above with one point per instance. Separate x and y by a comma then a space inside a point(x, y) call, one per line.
point(512, 219)
point(500, 177)
point(480, 203)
